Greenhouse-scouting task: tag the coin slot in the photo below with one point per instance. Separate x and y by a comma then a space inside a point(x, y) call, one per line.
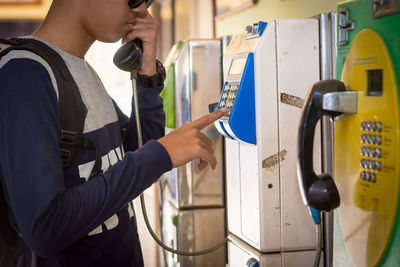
point(375, 82)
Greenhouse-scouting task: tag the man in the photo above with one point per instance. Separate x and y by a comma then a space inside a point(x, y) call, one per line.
point(66, 218)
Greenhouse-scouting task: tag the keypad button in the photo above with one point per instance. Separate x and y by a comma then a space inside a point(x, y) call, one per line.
point(378, 152)
point(373, 152)
point(370, 164)
point(369, 126)
point(373, 177)
point(363, 151)
point(363, 138)
point(363, 125)
point(377, 166)
point(369, 152)
point(363, 163)
point(378, 140)
point(379, 127)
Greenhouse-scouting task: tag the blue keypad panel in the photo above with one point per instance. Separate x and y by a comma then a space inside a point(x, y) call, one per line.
point(228, 97)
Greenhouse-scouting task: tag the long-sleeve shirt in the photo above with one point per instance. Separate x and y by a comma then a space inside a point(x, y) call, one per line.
point(64, 217)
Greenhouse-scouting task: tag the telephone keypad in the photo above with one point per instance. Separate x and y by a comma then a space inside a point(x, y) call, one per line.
point(370, 150)
point(228, 97)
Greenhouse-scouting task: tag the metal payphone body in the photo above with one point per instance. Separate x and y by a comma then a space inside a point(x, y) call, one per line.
point(264, 95)
point(241, 254)
point(367, 143)
point(192, 202)
point(365, 106)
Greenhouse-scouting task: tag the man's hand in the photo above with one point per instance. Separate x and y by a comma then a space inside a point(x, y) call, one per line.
point(146, 29)
point(187, 143)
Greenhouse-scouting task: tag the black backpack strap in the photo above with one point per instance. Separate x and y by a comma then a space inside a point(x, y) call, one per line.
point(5, 46)
point(72, 109)
point(72, 139)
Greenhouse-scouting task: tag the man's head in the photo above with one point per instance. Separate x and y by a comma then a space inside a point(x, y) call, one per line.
point(103, 20)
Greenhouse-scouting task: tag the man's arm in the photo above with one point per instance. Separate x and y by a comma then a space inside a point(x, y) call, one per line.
point(152, 118)
point(49, 216)
point(150, 102)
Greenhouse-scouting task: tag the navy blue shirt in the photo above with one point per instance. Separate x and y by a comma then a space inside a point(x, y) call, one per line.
point(62, 215)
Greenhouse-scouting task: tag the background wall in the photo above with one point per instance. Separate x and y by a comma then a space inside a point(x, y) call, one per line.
point(193, 19)
point(271, 9)
point(24, 11)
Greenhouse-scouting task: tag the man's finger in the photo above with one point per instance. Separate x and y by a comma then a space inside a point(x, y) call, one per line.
point(209, 157)
point(208, 119)
point(202, 164)
point(205, 146)
point(205, 139)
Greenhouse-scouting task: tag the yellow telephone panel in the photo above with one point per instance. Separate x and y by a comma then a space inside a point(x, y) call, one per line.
point(366, 154)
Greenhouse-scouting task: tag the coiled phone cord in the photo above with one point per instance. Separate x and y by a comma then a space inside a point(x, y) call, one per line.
point(142, 202)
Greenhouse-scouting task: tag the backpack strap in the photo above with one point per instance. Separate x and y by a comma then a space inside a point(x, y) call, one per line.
point(71, 107)
point(4, 44)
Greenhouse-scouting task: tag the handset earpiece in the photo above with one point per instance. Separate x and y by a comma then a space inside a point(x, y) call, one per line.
point(318, 191)
point(129, 56)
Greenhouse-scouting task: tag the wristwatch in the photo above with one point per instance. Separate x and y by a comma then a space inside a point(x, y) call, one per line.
point(153, 81)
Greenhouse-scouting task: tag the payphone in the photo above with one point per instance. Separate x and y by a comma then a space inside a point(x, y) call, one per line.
point(192, 202)
point(365, 106)
point(266, 66)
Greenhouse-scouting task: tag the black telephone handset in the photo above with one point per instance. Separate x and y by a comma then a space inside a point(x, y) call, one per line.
point(319, 191)
point(129, 56)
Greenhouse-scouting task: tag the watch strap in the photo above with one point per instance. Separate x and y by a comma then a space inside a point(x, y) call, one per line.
point(155, 80)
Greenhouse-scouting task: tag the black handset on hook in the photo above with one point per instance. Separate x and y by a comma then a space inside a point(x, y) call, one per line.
point(318, 191)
